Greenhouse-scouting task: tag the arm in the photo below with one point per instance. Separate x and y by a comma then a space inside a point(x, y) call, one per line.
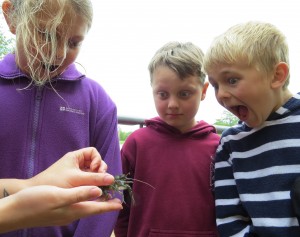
point(74, 169)
point(53, 205)
point(49, 206)
point(232, 219)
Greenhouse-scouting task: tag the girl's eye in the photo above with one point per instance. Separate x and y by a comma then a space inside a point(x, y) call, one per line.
point(232, 81)
point(74, 44)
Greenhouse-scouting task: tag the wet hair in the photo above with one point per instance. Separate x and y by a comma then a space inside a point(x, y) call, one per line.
point(39, 39)
point(185, 59)
point(258, 44)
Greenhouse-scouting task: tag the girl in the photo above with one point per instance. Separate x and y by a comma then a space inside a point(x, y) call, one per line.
point(48, 105)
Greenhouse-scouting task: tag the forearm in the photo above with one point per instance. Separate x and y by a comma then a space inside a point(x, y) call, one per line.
point(11, 186)
point(9, 220)
point(232, 219)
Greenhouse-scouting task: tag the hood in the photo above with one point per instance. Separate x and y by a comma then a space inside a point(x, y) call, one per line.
point(201, 129)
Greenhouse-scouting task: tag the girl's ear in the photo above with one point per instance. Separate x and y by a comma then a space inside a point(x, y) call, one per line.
point(280, 75)
point(7, 8)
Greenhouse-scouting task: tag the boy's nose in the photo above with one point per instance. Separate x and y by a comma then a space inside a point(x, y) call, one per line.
point(173, 103)
point(222, 93)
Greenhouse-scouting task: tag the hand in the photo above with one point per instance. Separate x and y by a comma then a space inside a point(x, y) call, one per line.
point(49, 205)
point(74, 169)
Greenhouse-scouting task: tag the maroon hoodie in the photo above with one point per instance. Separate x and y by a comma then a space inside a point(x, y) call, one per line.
point(178, 166)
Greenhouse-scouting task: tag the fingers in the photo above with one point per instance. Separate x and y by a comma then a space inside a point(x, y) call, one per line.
point(80, 194)
point(50, 205)
point(97, 179)
point(81, 202)
point(90, 157)
point(96, 207)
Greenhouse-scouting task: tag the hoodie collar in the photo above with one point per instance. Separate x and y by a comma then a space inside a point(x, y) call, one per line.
point(199, 130)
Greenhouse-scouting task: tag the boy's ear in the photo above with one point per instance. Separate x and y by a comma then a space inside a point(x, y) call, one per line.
point(280, 75)
point(7, 8)
point(204, 89)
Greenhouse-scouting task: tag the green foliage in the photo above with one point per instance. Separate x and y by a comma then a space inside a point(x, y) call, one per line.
point(6, 44)
point(227, 119)
point(123, 135)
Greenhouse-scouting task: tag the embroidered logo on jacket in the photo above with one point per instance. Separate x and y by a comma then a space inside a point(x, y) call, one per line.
point(71, 110)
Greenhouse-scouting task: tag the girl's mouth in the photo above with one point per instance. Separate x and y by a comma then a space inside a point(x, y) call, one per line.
point(51, 68)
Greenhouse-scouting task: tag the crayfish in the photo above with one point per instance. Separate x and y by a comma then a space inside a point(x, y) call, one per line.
point(122, 183)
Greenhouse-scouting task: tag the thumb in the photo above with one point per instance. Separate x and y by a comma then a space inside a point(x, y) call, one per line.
point(80, 194)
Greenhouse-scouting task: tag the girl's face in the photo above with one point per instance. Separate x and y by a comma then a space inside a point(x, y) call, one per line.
point(69, 35)
point(245, 92)
point(177, 100)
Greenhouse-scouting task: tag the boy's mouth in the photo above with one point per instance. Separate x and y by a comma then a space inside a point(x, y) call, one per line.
point(240, 111)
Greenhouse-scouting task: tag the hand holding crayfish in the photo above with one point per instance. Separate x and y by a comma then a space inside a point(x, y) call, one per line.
point(122, 182)
point(52, 197)
point(82, 167)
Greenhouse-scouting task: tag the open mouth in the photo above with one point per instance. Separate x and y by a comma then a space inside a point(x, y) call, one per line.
point(240, 111)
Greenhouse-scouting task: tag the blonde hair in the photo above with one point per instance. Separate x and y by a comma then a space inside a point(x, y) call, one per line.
point(26, 17)
point(184, 58)
point(258, 44)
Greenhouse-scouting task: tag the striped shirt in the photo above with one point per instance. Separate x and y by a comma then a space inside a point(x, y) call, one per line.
point(254, 172)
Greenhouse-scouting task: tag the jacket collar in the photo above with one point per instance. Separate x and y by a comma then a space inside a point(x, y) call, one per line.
point(10, 70)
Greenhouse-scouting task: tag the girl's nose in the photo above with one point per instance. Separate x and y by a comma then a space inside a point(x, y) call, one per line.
point(61, 52)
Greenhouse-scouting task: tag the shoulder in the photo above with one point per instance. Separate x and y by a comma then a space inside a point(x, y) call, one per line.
point(139, 134)
point(235, 131)
point(139, 137)
point(93, 90)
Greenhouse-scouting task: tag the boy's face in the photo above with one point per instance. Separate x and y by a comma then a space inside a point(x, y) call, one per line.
point(245, 92)
point(69, 38)
point(177, 100)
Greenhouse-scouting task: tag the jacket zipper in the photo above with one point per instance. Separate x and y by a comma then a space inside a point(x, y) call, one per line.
point(36, 115)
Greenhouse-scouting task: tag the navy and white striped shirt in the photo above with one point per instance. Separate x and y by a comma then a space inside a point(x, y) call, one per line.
point(254, 172)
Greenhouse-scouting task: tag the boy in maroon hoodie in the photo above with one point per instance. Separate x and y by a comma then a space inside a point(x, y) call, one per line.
point(173, 153)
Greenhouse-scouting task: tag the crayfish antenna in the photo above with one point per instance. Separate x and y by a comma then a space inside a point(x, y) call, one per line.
point(144, 183)
point(133, 179)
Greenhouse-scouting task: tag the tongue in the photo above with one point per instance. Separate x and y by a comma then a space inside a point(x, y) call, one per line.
point(243, 111)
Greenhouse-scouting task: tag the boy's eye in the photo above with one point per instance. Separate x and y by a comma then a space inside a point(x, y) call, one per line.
point(232, 81)
point(184, 94)
point(162, 94)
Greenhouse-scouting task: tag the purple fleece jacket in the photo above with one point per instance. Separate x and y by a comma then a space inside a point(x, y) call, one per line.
point(178, 166)
point(40, 124)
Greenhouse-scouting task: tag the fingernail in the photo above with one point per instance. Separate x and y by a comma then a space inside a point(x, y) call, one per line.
point(95, 192)
point(108, 178)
